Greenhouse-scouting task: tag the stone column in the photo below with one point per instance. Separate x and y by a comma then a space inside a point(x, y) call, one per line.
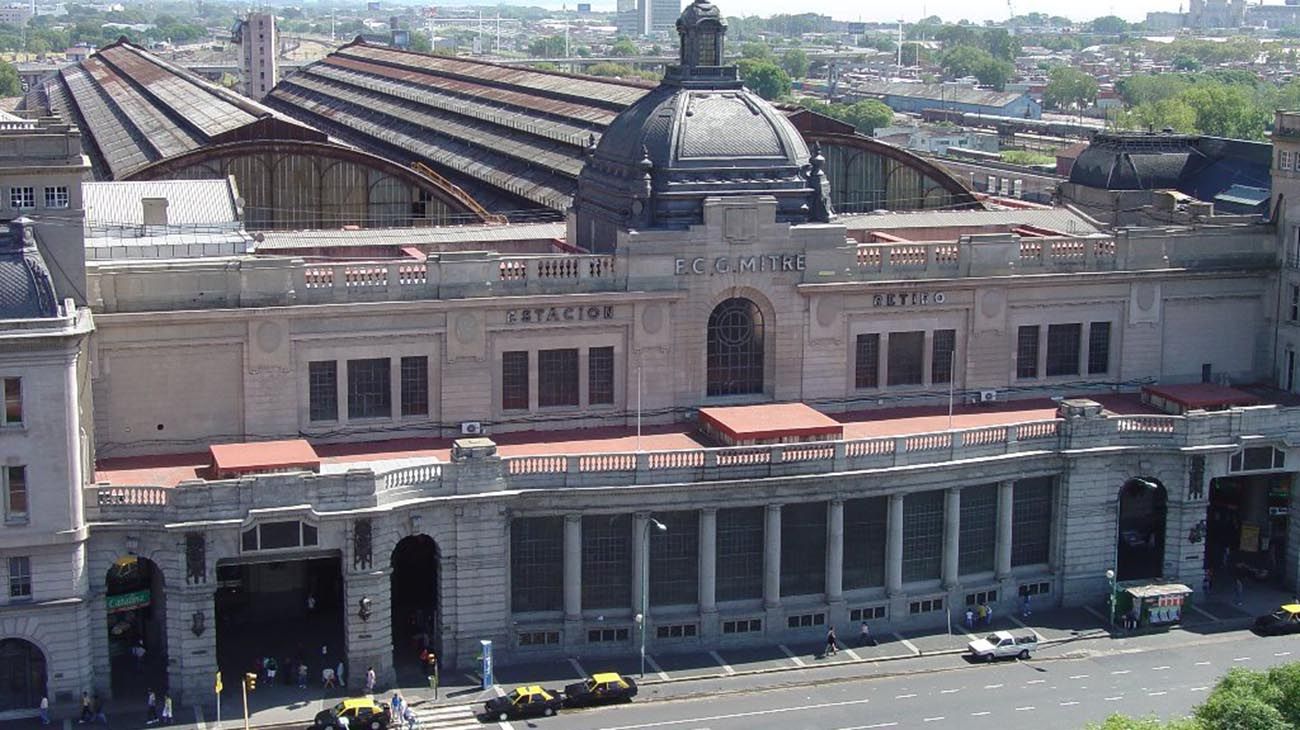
point(894, 547)
point(951, 537)
point(1003, 564)
point(835, 552)
point(772, 558)
point(369, 640)
point(573, 568)
point(708, 560)
point(639, 558)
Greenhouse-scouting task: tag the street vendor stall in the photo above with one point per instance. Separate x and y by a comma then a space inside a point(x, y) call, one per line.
point(1157, 604)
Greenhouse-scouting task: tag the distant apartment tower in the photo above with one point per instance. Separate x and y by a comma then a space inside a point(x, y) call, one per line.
point(627, 20)
point(657, 16)
point(259, 43)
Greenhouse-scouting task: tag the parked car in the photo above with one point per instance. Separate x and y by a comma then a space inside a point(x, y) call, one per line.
point(1000, 644)
point(529, 701)
point(362, 713)
point(600, 688)
point(1285, 620)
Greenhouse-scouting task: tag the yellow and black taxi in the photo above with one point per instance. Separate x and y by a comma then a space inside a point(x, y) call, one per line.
point(600, 688)
point(1285, 620)
point(527, 701)
point(354, 713)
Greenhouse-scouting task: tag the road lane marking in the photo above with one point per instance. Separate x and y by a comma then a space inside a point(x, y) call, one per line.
point(904, 697)
point(1199, 689)
point(1281, 653)
point(1156, 694)
point(992, 686)
point(1068, 704)
point(932, 719)
point(1113, 699)
point(505, 726)
point(1202, 664)
point(1097, 614)
point(1036, 681)
point(655, 666)
point(870, 727)
point(1121, 671)
point(852, 654)
point(573, 662)
point(1017, 622)
point(797, 661)
point(910, 646)
point(1080, 676)
point(1241, 659)
point(1160, 668)
point(980, 714)
point(722, 662)
point(1203, 612)
point(695, 721)
point(1026, 708)
point(948, 691)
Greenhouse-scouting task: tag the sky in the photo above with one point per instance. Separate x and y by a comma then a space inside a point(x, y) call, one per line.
point(949, 10)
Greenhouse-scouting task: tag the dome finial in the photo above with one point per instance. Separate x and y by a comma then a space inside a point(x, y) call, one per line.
point(820, 209)
point(591, 144)
point(646, 164)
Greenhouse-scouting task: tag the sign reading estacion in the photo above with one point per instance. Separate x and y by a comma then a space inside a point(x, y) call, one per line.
point(559, 314)
point(755, 264)
point(909, 299)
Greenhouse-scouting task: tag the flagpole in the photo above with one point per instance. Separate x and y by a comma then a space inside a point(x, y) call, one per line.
point(952, 380)
point(638, 406)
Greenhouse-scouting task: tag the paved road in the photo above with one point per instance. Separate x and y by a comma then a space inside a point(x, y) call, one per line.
point(1063, 687)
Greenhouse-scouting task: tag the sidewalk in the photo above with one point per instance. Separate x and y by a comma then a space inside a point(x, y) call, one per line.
point(284, 706)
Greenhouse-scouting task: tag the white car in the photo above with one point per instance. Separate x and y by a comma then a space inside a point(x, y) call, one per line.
point(1001, 644)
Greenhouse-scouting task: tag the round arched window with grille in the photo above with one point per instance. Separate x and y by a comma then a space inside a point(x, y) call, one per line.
point(735, 348)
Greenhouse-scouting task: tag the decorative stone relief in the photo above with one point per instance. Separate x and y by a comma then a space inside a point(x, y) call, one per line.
point(196, 558)
point(990, 310)
point(1144, 303)
point(361, 545)
point(1196, 477)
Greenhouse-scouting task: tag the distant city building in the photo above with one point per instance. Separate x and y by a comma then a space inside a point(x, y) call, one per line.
point(259, 42)
point(914, 98)
point(1216, 13)
point(15, 14)
point(657, 16)
point(626, 19)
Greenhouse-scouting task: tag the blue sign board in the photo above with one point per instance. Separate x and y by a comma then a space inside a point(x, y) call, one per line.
point(486, 655)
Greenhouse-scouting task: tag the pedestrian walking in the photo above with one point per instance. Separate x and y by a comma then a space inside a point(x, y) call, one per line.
point(370, 680)
point(980, 613)
point(100, 710)
point(271, 667)
point(864, 636)
point(152, 702)
point(86, 714)
point(138, 651)
point(970, 619)
point(1025, 609)
point(327, 678)
point(831, 647)
point(409, 716)
point(45, 710)
point(167, 708)
point(396, 704)
point(338, 672)
point(1237, 589)
point(302, 675)
point(988, 614)
point(342, 722)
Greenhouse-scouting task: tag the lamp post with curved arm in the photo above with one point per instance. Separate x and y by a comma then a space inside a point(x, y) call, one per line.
point(645, 582)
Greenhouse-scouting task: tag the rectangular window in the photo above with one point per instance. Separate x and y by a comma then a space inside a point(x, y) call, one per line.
point(739, 567)
point(803, 548)
point(867, 365)
point(415, 385)
point(22, 198)
point(607, 635)
point(16, 493)
point(557, 378)
point(864, 542)
point(675, 559)
point(1293, 309)
point(20, 577)
point(538, 638)
point(677, 631)
point(978, 529)
point(942, 351)
point(1099, 348)
point(56, 196)
point(926, 606)
point(1031, 521)
point(13, 413)
point(1027, 351)
point(606, 561)
point(536, 553)
point(1035, 589)
point(514, 381)
point(922, 535)
point(323, 390)
point(600, 376)
point(1283, 159)
point(370, 393)
point(980, 598)
point(905, 364)
point(806, 621)
point(1063, 349)
point(743, 626)
point(870, 613)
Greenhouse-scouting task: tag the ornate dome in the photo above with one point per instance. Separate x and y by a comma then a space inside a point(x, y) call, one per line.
point(699, 134)
point(26, 289)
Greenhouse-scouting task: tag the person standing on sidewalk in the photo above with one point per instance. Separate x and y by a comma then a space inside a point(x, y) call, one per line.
point(302, 675)
point(370, 680)
point(45, 710)
point(831, 646)
point(101, 710)
point(396, 705)
point(86, 714)
point(152, 701)
point(167, 708)
point(338, 672)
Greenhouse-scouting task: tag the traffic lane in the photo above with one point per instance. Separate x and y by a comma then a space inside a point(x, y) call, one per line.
point(1068, 692)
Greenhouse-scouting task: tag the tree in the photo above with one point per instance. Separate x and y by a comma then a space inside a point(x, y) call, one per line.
point(915, 54)
point(1000, 44)
point(995, 73)
point(1164, 114)
point(795, 63)
point(1068, 87)
point(764, 78)
point(609, 69)
point(963, 61)
point(1227, 111)
point(623, 48)
point(756, 50)
point(420, 42)
point(9, 83)
point(1186, 63)
point(1109, 25)
point(868, 115)
point(547, 47)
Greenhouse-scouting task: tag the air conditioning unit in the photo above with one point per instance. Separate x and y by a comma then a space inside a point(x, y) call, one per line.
point(471, 428)
point(988, 396)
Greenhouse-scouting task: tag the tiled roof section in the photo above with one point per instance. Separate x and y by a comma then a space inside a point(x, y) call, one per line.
point(506, 134)
point(208, 204)
point(1058, 219)
point(420, 237)
point(136, 109)
point(26, 289)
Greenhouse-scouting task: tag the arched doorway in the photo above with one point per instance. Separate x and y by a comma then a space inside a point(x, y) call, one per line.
point(137, 625)
point(415, 603)
point(735, 348)
point(22, 675)
point(1142, 510)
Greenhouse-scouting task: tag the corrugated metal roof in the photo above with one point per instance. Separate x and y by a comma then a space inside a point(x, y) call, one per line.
point(1060, 219)
point(190, 203)
point(937, 92)
point(486, 234)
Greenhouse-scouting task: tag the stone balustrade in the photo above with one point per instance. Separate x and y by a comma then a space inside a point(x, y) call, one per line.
point(232, 498)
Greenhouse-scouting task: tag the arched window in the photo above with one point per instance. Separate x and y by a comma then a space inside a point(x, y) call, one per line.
point(735, 349)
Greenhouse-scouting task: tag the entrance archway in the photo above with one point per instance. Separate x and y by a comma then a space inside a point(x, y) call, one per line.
point(415, 603)
point(734, 349)
point(22, 675)
point(137, 625)
point(1143, 506)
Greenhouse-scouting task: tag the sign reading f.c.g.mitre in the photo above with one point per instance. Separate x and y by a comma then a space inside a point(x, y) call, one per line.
point(757, 263)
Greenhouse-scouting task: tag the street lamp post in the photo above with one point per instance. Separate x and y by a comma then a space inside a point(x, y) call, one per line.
point(1110, 576)
point(645, 581)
